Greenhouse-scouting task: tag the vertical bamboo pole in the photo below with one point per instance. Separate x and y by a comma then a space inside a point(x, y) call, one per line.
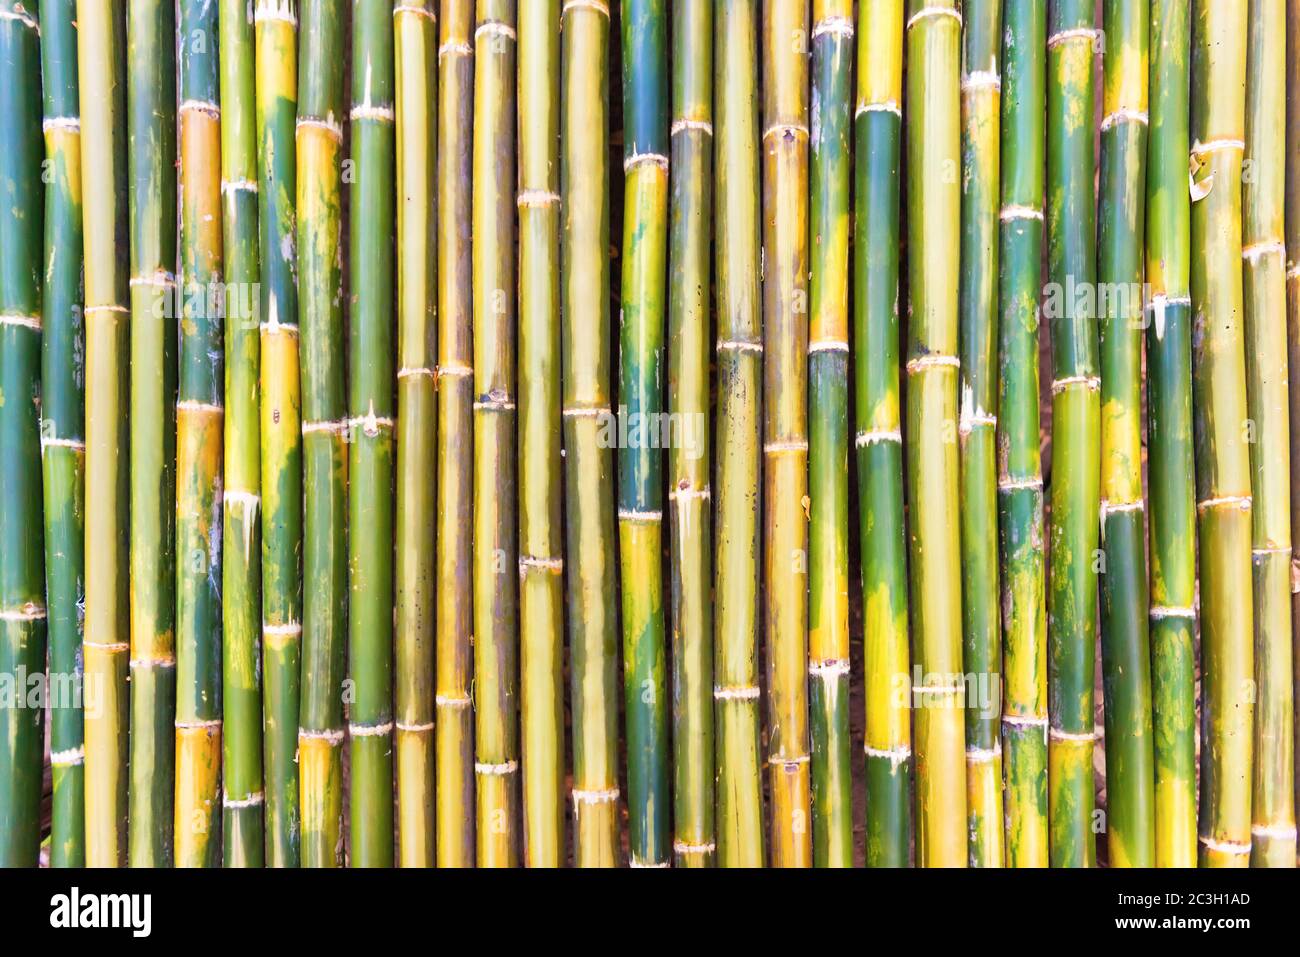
point(1292, 218)
point(496, 581)
point(828, 438)
point(1222, 457)
point(1125, 654)
point(101, 74)
point(878, 146)
point(981, 87)
point(415, 33)
point(22, 568)
point(739, 377)
point(63, 433)
point(1263, 252)
point(319, 140)
point(454, 721)
point(1020, 474)
point(589, 459)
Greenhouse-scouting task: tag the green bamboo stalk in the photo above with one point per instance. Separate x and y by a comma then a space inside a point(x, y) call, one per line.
point(454, 724)
point(541, 562)
point(496, 581)
point(691, 611)
point(640, 398)
point(1125, 652)
point(933, 214)
point(785, 425)
point(151, 91)
point(22, 580)
point(63, 431)
point(739, 390)
point(828, 434)
point(241, 584)
point(280, 421)
point(1273, 842)
point(1292, 218)
point(101, 69)
point(199, 420)
point(1020, 475)
point(981, 86)
point(319, 139)
point(1170, 466)
point(415, 33)
point(1076, 414)
point(370, 437)
point(589, 459)
point(878, 146)
point(1222, 459)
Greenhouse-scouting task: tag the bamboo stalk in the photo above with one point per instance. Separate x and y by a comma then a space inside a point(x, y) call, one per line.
point(1020, 475)
point(1273, 841)
point(370, 437)
point(319, 139)
point(828, 434)
point(280, 421)
point(739, 389)
point(496, 581)
point(981, 86)
point(63, 432)
point(785, 424)
point(1170, 466)
point(22, 588)
point(200, 415)
point(589, 460)
point(454, 724)
point(241, 584)
point(541, 549)
point(1292, 223)
point(1076, 412)
point(101, 68)
point(933, 214)
point(689, 495)
point(151, 86)
point(1222, 459)
point(415, 33)
point(1125, 654)
point(878, 146)
point(640, 398)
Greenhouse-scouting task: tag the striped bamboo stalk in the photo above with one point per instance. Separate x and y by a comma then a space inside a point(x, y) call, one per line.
point(1292, 218)
point(495, 568)
point(151, 118)
point(640, 399)
point(739, 391)
point(370, 437)
point(1223, 486)
point(785, 425)
point(828, 453)
point(1125, 652)
point(981, 88)
point(241, 570)
point(589, 460)
point(691, 621)
point(22, 581)
point(319, 140)
point(1273, 842)
point(101, 72)
point(199, 423)
point(1076, 414)
point(541, 546)
point(1170, 466)
point(878, 147)
point(280, 420)
point(63, 432)
point(415, 33)
point(933, 236)
point(454, 721)
point(1020, 475)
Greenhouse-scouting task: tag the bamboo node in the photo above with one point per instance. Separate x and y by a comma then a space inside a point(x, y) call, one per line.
point(829, 668)
point(1224, 847)
point(1059, 734)
point(786, 130)
point(828, 345)
point(456, 702)
point(682, 125)
point(735, 692)
point(932, 361)
point(198, 725)
point(253, 800)
point(1242, 502)
point(872, 436)
point(1125, 115)
point(494, 28)
point(69, 124)
point(1074, 33)
point(834, 25)
point(21, 16)
point(981, 80)
point(108, 307)
point(1024, 721)
point(338, 426)
point(206, 107)
point(526, 562)
point(927, 12)
point(641, 515)
point(77, 445)
point(1256, 251)
point(594, 795)
point(1107, 507)
point(505, 767)
point(414, 728)
point(200, 408)
point(983, 755)
point(370, 730)
point(884, 106)
point(153, 661)
point(329, 125)
point(787, 763)
point(1090, 382)
point(22, 321)
point(406, 372)
point(70, 758)
point(632, 862)
point(788, 445)
point(1160, 612)
point(594, 5)
point(686, 492)
point(368, 111)
point(29, 611)
point(585, 411)
point(1275, 832)
point(686, 847)
point(532, 198)
point(159, 277)
point(417, 11)
point(738, 345)
point(331, 736)
point(371, 424)
point(1011, 485)
point(1214, 146)
point(459, 47)
point(1013, 211)
point(1294, 271)
point(108, 647)
point(895, 756)
point(648, 159)
point(454, 369)
point(497, 400)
